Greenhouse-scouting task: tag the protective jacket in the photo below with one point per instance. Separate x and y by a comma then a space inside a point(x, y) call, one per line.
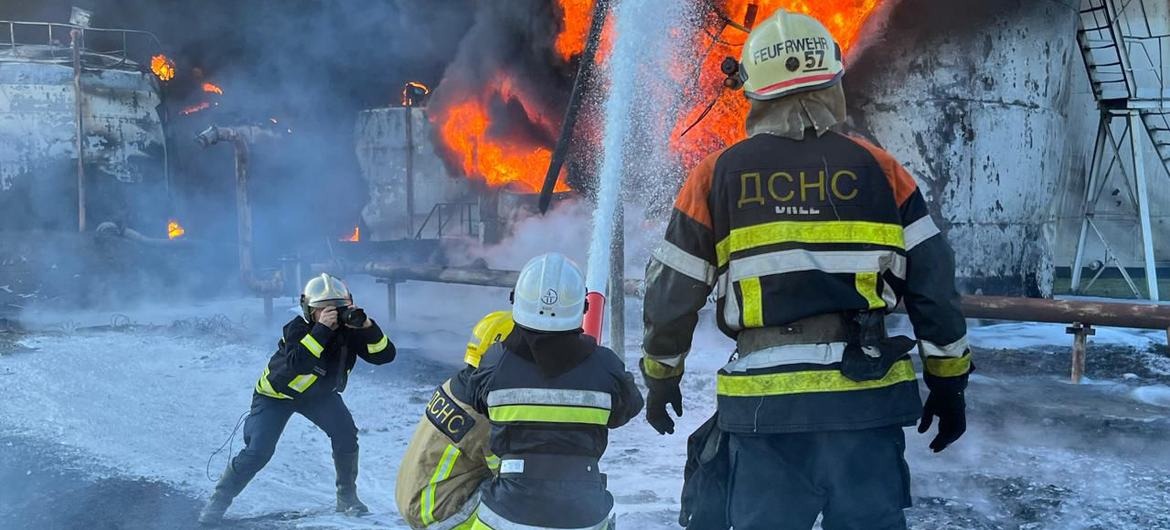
point(446, 462)
point(551, 399)
point(784, 230)
point(312, 359)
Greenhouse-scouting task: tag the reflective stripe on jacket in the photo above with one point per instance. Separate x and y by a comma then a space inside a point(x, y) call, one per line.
point(551, 400)
point(311, 358)
point(446, 461)
point(784, 230)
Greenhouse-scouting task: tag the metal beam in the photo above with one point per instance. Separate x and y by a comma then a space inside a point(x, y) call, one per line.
point(1143, 203)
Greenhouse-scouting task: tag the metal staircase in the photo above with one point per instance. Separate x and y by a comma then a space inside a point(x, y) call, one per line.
point(1124, 59)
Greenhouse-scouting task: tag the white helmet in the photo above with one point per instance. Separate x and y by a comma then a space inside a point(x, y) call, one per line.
point(323, 291)
point(549, 294)
point(789, 53)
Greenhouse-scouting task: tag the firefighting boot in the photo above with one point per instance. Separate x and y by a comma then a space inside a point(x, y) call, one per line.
point(347, 471)
point(229, 485)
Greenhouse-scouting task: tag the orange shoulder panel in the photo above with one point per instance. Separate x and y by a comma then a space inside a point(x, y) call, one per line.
point(900, 180)
point(692, 198)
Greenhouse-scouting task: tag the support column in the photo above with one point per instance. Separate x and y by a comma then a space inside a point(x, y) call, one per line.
point(1080, 333)
point(617, 283)
point(1090, 201)
point(1143, 203)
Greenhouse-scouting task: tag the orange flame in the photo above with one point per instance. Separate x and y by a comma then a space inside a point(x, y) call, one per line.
point(212, 88)
point(465, 130)
point(202, 105)
point(724, 124)
point(174, 229)
point(355, 236)
point(163, 67)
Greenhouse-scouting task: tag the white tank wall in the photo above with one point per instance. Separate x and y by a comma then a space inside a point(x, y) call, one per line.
point(123, 138)
point(381, 151)
point(982, 109)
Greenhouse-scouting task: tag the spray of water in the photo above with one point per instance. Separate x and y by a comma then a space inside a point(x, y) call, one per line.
point(642, 49)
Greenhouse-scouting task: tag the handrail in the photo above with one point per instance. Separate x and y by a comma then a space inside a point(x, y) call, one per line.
point(12, 43)
point(465, 213)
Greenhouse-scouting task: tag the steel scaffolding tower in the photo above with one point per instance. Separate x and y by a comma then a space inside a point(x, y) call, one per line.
point(1124, 60)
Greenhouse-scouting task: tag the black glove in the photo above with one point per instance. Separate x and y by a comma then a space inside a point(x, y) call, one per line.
point(660, 393)
point(947, 402)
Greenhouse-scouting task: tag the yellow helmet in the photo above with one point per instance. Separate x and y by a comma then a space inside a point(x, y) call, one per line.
point(789, 53)
point(491, 329)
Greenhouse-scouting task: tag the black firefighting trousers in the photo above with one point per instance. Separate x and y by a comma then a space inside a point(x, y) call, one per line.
point(858, 479)
point(268, 417)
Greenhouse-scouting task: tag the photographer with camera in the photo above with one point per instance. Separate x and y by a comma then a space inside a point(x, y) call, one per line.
point(306, 375)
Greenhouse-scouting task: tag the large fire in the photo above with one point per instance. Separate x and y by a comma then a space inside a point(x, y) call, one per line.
point(163, 67)
point(465, 128)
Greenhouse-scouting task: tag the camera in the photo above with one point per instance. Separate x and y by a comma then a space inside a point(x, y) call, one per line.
point(351, 316)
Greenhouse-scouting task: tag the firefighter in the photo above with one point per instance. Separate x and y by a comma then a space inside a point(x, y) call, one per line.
point(551, 394)
point(306, 375)
point(808, 238)
point(448, 459)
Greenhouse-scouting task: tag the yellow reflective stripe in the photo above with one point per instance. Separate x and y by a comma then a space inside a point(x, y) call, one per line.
point(493, 462)
point(378, 346)
point(466, 525)
point(866, 284)
point(753, 303)
point(863, 232)
point(656, 370)
point(312, 345)
point(548, 414)
point(302, 382)
point(264, 387)
point(808, 382)
point(442, 471)
point(948, 366)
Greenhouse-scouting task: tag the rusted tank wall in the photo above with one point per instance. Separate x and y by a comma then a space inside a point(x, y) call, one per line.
point(981, 108)
point(381, 151)
point(123, 144)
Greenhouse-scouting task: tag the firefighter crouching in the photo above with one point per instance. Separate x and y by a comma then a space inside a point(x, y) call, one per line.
point(448, 458)
point(808, 237)
point(306, 375)
point(551, 394)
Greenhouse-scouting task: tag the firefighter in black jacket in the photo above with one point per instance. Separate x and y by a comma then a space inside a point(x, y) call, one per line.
point(809, 238)
point(551, 394)
point(306, 375)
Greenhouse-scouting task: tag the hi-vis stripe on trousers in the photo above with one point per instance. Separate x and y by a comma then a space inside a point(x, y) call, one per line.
point(486, 519)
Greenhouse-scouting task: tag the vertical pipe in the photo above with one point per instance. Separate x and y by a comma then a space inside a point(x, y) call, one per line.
point(584, 68)
point(391, 300)
point(75, 43)
point(243, 209)
point(617, 281)
point(267, 310)
point(1080, 333)
point(1143, 199)
point(1090, 203)
point(409, 169)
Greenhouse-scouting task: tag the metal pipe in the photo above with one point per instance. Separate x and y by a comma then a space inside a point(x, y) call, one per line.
point(240, 138)
point(1123, 315)
point(584, 72)
point(1116, 314)
point(1080, 333)
point(75, 42)
point(410, 169)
